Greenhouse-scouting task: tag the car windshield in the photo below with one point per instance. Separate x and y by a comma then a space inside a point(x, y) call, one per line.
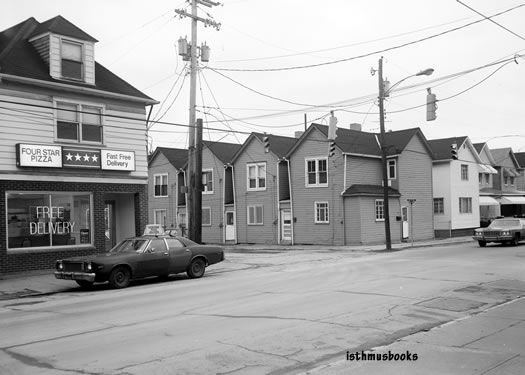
point(504, 223)
point(129, 246)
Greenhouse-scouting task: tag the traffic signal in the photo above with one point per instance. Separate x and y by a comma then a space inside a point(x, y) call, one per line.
point(454, 151)
point(266, 142)
point(431, 106)
point(331, 149)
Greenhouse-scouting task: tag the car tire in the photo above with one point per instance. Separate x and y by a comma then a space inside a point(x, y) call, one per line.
point(516, 240)
point(196, 268)
point(120, 277)
point(482, 243)
point(84, 284)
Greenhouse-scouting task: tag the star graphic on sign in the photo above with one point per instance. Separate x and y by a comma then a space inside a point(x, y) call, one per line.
point(86, 157)
point(69, 156)
point(77, 157)
point(95, 158)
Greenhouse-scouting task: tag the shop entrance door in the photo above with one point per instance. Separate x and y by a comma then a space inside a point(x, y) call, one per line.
point(109, 224)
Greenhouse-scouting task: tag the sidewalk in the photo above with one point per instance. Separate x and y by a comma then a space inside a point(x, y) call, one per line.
point(43, 282)
point(489, 343)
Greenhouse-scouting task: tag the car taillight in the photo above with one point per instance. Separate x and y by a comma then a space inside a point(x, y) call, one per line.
point(59, 265)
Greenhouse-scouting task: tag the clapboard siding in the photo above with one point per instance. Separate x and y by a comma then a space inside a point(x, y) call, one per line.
point(213, 232)
point(306, 231)
point(361, 170)
point(266, 233)
point(55, 67)
point(42, 47)
point(414, 179)
point(161, 165)
point(25, 123)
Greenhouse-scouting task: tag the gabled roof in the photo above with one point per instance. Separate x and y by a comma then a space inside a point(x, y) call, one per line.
point(19, 58)
point(520, 157)
point(222, 150)
point(369, 190)
point(59, 25)
point(479, 146)
point(279, 145)
point(501, 154)
point(442, 147)
point(176, 156)
point(367, 144)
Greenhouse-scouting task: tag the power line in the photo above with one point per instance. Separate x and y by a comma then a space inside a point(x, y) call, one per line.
point(370, 53)
point(491, 20)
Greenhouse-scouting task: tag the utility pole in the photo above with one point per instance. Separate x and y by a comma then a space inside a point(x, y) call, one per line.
point(194, 147)
point(386, 210)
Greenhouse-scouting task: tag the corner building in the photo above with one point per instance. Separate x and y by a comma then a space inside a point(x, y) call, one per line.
point(73, 158)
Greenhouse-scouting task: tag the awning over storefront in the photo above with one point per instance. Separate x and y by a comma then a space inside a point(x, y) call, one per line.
point(485, 168)
point(509, 199)
point(488, 201)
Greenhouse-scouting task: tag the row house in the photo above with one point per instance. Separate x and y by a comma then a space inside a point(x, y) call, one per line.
point(520, 180)
point(455, 187)
point(489, 207)
point(505, 184)
point(338, 199)
point(73, 159)
point(166, 200)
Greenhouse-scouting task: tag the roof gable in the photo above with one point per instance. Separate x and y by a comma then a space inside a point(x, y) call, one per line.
point(222, 150)
point(177, 157)
point(279, 145)
point(59, 25)
point(503, 155)
point(520, 157)
point(441, 147)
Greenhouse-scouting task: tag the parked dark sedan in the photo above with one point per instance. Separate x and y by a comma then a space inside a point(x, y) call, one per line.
point(140, 257)
point(506, 230)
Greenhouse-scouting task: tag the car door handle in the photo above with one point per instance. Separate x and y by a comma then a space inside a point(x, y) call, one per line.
point(188, 250)
point(166, 253)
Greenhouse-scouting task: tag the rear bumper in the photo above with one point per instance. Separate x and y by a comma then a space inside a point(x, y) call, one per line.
point(75, 276)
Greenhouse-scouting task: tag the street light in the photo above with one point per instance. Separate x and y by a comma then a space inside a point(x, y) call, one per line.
point(382, 94)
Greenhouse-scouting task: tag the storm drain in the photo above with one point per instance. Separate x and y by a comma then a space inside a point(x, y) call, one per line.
point(451, 304)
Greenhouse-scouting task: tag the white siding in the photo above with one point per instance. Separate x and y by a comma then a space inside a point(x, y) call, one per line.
point(55, 68)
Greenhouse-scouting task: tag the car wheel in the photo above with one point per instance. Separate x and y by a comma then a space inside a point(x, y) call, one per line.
point(196, 268)
point(119, 277)
point(516, 240)
point(84, 283)
point(482, 243)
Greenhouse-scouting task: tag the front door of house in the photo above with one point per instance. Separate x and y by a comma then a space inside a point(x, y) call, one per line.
point(286, 225)
point(405, 225)
point(109, 224)
point(230, 226)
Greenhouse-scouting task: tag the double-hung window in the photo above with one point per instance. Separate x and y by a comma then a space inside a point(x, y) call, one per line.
point(72, 60)
point(159, 216)
point(256, 173)
point(255, 215)
point(79, 123)
point(465, 205)
point(207, 181)
point(321, 213)
point(160, 184)
point(439, 206)
point(379, 210)
point(464, 172)
point(316, 171)
point(391, 169)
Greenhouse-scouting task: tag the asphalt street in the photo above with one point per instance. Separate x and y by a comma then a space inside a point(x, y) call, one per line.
point(267, 312)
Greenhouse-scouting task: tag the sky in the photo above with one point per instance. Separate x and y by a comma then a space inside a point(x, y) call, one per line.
point(274, 61)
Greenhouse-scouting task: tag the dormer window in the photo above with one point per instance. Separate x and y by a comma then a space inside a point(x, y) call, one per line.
point(72, 62)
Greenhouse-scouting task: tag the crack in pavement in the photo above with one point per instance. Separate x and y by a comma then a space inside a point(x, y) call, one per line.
point(263, 352)
point(499, 364)
point(374, 294)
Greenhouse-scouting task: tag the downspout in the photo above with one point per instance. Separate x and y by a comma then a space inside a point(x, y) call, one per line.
point(343, 199)
point(147, 128)
point(186, 198)
point(223, 231)
point(176, 197)
point(291, 199)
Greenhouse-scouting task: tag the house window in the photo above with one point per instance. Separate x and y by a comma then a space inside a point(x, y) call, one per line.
point(487, 178)
point(316, 172)
point(159, 217)
point(206, 216)
point(79, 123)
point(160, 185)
point(256, 176)
point(464, 172)
point(511, 180)
point(480, 178)
point(321, 213)
point(72, 65)
point(255, 215)
point(380, 210)
point(207, 181)
point(465, 205)
point(439, 206)
point(48, 219)
point(391, 169)
point(506, 179)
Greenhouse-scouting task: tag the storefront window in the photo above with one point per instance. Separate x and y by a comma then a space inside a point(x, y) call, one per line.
point(48, 219)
